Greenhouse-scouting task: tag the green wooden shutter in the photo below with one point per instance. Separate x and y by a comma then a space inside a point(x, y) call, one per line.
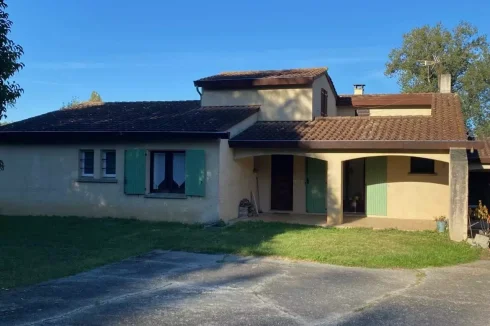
point(195, 173)
point(376, 188)
point(315, 185)
point(134, 171)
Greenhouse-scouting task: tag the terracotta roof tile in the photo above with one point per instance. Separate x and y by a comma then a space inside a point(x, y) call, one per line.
point(171, 116)
point(481, 155)
point(445, 124)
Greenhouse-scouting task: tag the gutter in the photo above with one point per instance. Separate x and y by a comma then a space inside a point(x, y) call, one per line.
point(355, 144)
point(64, 137)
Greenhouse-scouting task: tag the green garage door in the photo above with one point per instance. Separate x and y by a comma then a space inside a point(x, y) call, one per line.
point(376, 188)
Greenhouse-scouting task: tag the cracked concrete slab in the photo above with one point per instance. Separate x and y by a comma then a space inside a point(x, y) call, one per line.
point(177, 288)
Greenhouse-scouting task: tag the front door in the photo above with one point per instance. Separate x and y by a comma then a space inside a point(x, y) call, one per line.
point(282, 182)
point(315, 185)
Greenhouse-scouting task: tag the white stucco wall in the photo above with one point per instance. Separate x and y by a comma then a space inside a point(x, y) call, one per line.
point(275, 104)
point(318, 84)
point(42, 180)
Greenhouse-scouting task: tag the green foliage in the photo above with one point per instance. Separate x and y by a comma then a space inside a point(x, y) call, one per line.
point(74, 102)
point(461, 52)
point(38, 248)
point(10, 54)
point(95, 97)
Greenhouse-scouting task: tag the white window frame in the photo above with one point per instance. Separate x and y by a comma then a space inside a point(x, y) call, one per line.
point(104, 162)
point(82, 163)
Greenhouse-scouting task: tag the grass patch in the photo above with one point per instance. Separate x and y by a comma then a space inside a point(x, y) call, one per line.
point(35, 248)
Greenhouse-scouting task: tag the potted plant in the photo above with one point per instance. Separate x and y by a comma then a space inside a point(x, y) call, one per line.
point(441, 223)
point(481, 212)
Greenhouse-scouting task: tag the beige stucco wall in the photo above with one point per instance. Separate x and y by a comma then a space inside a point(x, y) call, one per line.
point(318, 84)
point(417, 196)
point(384, 112)
point(236, 181)
point(42, 180)
point(276, 104)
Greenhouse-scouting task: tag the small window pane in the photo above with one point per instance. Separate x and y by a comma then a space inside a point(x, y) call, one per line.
point(87, 163)
point(178, 167)
point(158, 182)
point(421, 165)
point(109, 163)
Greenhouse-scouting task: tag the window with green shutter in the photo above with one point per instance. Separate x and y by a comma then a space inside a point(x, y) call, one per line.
point(195, 173)
point(135, 172)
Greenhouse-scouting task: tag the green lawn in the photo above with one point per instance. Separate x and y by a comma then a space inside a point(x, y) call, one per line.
point(34, 249)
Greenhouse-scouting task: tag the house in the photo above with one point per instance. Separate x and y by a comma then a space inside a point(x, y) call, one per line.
point(282, 137)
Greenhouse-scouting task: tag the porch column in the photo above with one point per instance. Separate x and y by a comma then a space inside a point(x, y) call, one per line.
point(458, 187)
point(334, 192)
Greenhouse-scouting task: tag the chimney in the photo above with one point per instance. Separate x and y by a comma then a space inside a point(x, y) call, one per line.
point(445, 83)
point(359, 89)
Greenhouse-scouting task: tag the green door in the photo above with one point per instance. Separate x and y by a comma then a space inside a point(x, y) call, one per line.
point(376, 188)
point(315, 185)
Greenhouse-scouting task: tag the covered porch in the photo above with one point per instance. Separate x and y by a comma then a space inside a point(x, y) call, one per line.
point(369, 189)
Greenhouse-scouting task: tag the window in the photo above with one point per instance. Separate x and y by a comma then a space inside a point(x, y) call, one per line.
point(324, 103)
point(167, 172)
point(421, 165)
point(108, 164)
point(87, 163)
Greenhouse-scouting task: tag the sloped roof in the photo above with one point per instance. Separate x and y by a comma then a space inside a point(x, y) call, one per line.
point(258, 78)
point(443, 129)
point(482, 155)
point(169, 116)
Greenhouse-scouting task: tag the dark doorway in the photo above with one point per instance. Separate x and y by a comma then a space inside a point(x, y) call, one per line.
point(354, 186)
point(479, 188)
point(282, 182)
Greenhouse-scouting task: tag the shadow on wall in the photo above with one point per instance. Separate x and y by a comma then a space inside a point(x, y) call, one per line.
point(398, 171)
point(276, 104)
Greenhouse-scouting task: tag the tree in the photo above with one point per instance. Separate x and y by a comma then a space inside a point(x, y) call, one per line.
point(461, 52)
point(10, 54)
point(95, 97)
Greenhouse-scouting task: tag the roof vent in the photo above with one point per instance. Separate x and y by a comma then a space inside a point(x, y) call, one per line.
point(359, 89)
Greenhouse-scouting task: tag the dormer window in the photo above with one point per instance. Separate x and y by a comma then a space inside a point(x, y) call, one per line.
point(324, 103)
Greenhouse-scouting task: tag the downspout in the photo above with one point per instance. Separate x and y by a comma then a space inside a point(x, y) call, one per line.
point(199, 92)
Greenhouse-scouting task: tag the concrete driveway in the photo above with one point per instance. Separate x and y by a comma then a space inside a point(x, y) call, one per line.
point(177, 288)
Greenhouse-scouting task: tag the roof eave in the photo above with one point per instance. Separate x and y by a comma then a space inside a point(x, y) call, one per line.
point(355, 144)
point(245, 83)
point(63, 137)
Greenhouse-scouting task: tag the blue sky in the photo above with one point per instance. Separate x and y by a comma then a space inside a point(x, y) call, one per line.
point(153, 50)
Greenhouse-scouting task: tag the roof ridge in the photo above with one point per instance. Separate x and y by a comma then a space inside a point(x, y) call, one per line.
point(270, 70)
point(389, 94)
